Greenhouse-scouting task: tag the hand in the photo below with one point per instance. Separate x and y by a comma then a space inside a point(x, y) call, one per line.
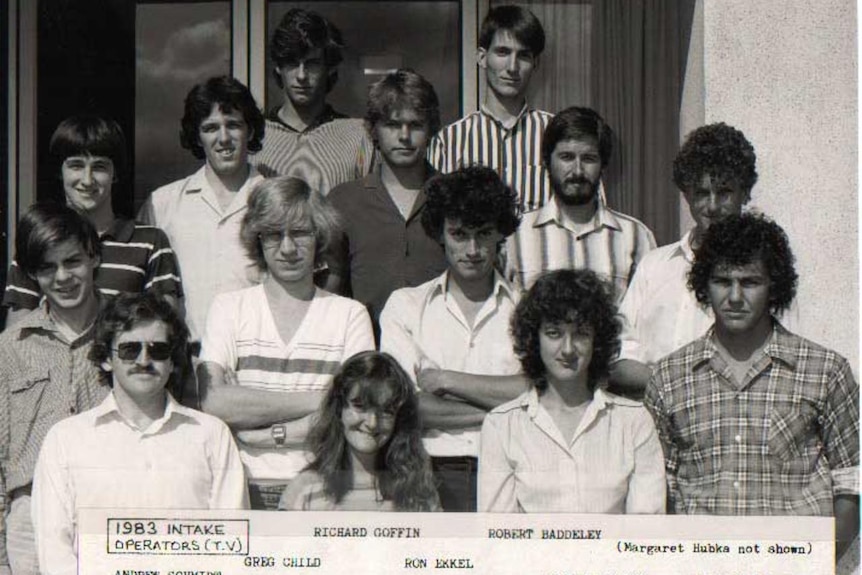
point(230, 377)
point(432, 381)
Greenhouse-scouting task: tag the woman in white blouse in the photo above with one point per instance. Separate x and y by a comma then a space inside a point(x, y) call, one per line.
point(566, 444)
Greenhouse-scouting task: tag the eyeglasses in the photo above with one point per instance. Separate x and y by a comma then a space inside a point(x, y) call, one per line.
point(156, 350)
point(300, 237)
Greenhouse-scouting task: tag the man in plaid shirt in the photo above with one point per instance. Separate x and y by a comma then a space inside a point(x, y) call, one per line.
point(755, 420)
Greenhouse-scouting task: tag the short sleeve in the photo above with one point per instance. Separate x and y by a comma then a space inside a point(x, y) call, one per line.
point(219, 342)
point(163, 274)
point(22, 291)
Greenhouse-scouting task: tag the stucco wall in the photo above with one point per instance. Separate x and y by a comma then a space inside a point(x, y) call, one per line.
point(785, 73)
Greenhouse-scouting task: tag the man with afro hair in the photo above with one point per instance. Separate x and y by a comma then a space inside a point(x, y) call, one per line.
point(451, 334)
point(753, 419)
point(715, 170)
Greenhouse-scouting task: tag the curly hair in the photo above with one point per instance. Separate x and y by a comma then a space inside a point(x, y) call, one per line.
point(299, 32)
point(474, 196)
point(88, 135)
point(577, 123)
point(277, 202)
point(402, 88)
point(403, 467)
point(46, 225)
point(719, 150)
point(123, 313)
point(517, 20)
point(740, 240)
point(230, 94)
point(563, 296)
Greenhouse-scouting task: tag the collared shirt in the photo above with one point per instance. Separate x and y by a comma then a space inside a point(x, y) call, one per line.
point(184, 460)
point(611, 245)
point(380, 250)
point(323, 156)
point(206, 240)
point(784, 441)
point(423, 327)
point(514, 153)
point(612, 464)
point(135, 258)
point(327, 115)
point(659, 313)
point(43, 379)
point(242, 336)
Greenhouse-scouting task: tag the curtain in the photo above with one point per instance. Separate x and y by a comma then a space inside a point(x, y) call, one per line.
point(639, 54)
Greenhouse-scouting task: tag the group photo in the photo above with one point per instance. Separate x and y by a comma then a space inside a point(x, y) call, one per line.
point(470, 256)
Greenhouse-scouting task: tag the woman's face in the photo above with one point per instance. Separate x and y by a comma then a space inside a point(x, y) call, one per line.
point(367, 428)
point(566, 349)
point(289, 253)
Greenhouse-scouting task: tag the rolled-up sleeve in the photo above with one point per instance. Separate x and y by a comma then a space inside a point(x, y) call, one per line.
point(647, 491)
point(496, 478)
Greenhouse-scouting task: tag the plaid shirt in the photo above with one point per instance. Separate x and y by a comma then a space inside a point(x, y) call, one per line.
point(784, 442)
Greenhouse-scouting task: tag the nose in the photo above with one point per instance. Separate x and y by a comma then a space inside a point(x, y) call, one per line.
point(87, 175)
point(472, 246)
point(143, 357)
point(301, 72)
point(567, 345)
point(404, 135)
point(371, 419)
point(512, 63)
point(61, 274)
point(578, 167)
point(713, 204)
point(735, 295)
point(223, 134)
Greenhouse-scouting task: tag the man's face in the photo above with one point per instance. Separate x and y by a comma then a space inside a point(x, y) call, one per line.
point(470, 252)
point(739, 296)
point(402, 139)
point(289, 253)
point(66, 275)
point(87, 182)
point(575, 171)
point(508, 65)
point(224, 138)
point(711, 200)
point(304, 81)
point(143, 374)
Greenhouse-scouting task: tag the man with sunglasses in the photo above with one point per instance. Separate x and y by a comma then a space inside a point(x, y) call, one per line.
point(45, 372)
point(160, 453)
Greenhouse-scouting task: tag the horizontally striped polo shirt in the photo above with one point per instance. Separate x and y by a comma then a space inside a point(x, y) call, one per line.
point(135, 258)
point(514, 153)
point(611, 245)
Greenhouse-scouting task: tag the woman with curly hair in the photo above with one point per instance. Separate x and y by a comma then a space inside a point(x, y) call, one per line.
point(366, 445)
point(566, 444)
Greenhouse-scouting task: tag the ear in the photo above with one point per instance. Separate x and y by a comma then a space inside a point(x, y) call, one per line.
point(482, 57)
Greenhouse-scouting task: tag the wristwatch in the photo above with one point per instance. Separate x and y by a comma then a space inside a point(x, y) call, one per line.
point(278, 434)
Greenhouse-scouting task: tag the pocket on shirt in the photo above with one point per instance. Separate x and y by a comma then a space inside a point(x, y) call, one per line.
point(789, 430)
point(26, 395)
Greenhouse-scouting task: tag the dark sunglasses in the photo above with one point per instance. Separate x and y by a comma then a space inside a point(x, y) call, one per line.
point(156, 350)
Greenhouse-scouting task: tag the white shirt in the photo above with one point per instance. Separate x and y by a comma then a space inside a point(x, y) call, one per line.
point(612, 464)
point(423, 327)
point(205, 239)
point(184, 460)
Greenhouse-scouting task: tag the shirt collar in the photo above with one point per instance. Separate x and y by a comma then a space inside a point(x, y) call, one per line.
point(109, 409)
point(530, 401)
point(39, 320)
point(325, 117)
point(550, 213)
point(198, 181)
point(501, 287)
point(524, 111)
point(782, 346)
point(121, 230)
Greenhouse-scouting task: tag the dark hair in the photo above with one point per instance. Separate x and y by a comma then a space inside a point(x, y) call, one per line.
point(46, 225)
point(739, 240)
point(404, 471)
point(519, 21)
point(277, 202)
point(562, 296)
point(398, 90)
point(125, 311)
point(719, 150)
point(577, 123)
point(230, 94)
point(298, 33)
point(475, 195)
point(88, 135)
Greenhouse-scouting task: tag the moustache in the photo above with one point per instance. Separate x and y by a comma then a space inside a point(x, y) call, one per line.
point(578, 180)
point(144, 370)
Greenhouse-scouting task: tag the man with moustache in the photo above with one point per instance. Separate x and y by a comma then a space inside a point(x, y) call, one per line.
point(715, 169)
point(384, 246)
point(305, 137)
point(138, 448)
point(505, 134)
point(201, 214)
point(575, 229)
point(45, 372)
point(451, 334)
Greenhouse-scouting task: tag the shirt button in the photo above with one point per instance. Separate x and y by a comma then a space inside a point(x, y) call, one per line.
point(736, 484)
point(72, 409)
point(738, 438)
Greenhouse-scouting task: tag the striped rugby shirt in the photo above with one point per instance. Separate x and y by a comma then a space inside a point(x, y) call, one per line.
point(514, 153)
point(612, 245)
point(329, 153)
point(135, 258)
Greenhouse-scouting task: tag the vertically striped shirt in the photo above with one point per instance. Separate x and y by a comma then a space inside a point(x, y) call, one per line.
point(611, 245)
point(135, 258)
point(515, 153)
point(332, 153)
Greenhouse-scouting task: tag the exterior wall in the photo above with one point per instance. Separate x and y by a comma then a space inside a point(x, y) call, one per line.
point(785, 73)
